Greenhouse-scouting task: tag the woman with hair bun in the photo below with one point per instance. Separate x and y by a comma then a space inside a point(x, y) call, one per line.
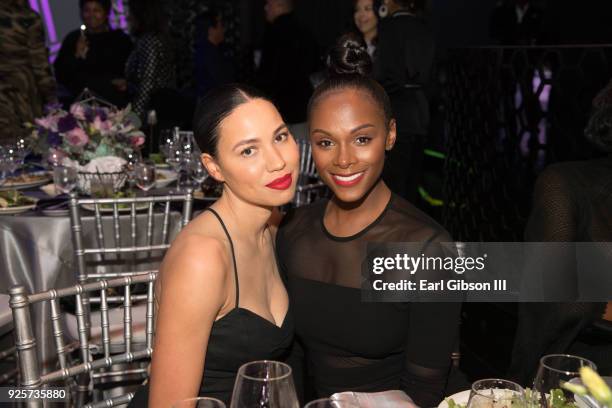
point(222, 302)
point(350, 345)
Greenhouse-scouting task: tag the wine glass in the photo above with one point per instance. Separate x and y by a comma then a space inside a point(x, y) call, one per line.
point(495, 392)
point(65, 178)
point(264, 384)
point(196, 170)
point(200, 402)
point(144, 174)
point(166, 139)
point(330, 403)
point(556, 369)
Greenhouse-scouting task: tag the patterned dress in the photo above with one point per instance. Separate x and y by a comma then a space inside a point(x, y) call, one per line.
point(150, 68)
point(26, 82)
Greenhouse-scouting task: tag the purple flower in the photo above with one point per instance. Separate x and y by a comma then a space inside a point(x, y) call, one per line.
point(47, 123)
point(78, 111)
point(67, 123)
point(77, 137)
point(54, 139)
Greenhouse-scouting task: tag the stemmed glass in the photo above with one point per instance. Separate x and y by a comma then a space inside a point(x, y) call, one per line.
point(330, 403)
point(556, 369)
point(201, 402)
point(144, 174)
point(264, 384)
point(197, 171)
point(494, 392)
point(65, 178)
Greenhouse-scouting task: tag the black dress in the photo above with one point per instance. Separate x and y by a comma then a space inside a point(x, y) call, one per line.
point(572, 203)
point(239, 337)
point(355, 346)
point(105, 61)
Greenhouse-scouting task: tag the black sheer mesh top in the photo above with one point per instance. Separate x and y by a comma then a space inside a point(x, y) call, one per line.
point(355, 346)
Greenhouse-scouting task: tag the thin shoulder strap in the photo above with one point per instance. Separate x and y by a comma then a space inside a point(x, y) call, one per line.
point(233, 253)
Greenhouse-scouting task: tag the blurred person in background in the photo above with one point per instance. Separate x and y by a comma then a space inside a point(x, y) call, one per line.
point(95, 57)
point(288, 57)
point(150, 69)
point(212, 67)
point(403, 66)
point(516, 22)
point(365, 18)
point(572, 203)
point(26, 82)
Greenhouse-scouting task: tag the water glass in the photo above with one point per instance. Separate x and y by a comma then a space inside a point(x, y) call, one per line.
point(556, 369)
point(65, 178)
point(264, 384)
point(166, 140)
point(201, 402)
point(495, 392)
point(144, 174)
point(330, 403)
point(197, 171)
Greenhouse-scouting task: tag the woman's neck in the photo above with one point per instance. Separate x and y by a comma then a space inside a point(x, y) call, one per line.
point(369, 36)
point(346, 219)
point(249, 220)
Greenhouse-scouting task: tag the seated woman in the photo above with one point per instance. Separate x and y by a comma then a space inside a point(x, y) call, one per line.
point(572, 202)
point(94, 58)
point(222, 302)
point(351, 345)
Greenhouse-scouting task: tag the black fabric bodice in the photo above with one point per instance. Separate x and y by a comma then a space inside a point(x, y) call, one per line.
point(239, 337)
point(357, 346)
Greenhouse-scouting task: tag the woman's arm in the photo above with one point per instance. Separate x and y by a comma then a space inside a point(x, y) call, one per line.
point(193, 292)
point(434, 335)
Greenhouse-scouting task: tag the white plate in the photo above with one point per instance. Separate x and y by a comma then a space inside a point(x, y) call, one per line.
point(108, 208)
point(169, 177)
point(19, 209)
point(8, 185)
point(459, 398)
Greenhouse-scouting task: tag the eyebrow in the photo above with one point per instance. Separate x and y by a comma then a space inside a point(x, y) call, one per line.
point(246, 142)
point(256, 140)
point(358, 128)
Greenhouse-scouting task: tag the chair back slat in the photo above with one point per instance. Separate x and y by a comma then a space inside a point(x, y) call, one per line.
point(99, 230)
point(116, 226)
point(105, 323)
point(58, 333)
point(166, 222)
point(127, 320)
point(150, 312)
point(83, 326)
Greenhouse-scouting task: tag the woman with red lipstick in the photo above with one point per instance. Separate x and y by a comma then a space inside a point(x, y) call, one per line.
point(222, 302)
point(350, 345)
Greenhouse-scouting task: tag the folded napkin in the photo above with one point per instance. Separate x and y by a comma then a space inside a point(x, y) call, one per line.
point(386, 399)
point(59, 202)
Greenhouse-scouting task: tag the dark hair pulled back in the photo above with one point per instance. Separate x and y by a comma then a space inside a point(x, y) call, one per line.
point(214, 107)
point(350, 67)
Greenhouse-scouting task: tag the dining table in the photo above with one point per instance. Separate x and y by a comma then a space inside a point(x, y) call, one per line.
point(36, 251)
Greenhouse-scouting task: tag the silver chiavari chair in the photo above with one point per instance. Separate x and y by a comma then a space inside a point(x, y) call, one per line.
point(81, 376)
point(116, 247)
point(309, 187)
point(119, 250)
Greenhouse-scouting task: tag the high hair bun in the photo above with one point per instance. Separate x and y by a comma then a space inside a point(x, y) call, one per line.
point(349, 56)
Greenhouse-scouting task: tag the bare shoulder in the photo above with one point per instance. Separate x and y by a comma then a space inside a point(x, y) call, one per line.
point(197, 259)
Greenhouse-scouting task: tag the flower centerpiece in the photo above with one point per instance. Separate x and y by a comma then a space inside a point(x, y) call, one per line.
point(86, 135)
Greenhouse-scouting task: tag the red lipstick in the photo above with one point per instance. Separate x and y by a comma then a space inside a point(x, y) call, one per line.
point(281, 183)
